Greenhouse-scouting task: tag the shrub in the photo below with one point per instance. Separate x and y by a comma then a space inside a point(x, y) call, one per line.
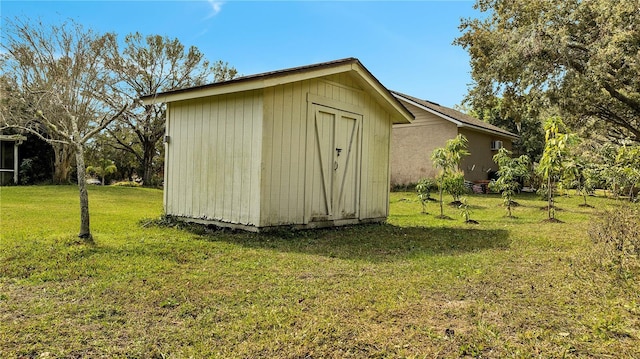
point(454, 185)
point(424, 189)
point(127, 184)
point(616, 235)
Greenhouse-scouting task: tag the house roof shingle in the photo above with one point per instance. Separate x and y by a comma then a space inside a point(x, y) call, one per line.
point(462, 119)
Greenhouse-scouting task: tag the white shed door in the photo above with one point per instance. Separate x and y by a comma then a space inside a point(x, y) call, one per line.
point(336, 164)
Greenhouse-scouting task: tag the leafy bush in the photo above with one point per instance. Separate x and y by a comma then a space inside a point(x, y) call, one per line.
point(616, 235)
point(408, 187)
point(424, 189)
point(511, 170)
point(454, 185)
point(127, 184)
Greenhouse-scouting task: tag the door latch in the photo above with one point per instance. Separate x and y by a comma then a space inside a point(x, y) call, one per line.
point(338, 150)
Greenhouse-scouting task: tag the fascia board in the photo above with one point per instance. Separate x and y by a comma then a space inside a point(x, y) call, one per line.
point(246, 85)
point(385, 95)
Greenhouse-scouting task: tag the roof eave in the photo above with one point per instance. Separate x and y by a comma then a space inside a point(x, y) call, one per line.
point(270, 79)
point(453, 120)
point(244, 84)
point(385, 95)
point(487, 130)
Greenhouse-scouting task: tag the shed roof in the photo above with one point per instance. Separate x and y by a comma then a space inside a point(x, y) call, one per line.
point(457, 117)
point(294, 74)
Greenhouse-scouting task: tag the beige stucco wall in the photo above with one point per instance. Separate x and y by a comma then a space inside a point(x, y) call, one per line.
point(479, 163)
point(412, 145)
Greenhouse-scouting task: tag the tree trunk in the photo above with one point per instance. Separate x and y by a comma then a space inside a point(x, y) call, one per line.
point(148, 154)
point(550, 196)
point(441, 199)
point(63, 155)
point(85, 231)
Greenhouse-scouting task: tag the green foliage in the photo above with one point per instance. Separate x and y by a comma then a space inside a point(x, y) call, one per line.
point(424, 188)
point(581, 175)
point(555, 157)
point(102, 169)
point(511, 170)
point(626, 168)
point(127, 184)
point(447, 159)
point(148, 65)
point(617, 236)
point(523, 122)
point(465, 210)
point(453, 184)
point(577, 56)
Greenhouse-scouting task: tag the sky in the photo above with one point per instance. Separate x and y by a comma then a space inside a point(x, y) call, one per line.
point(406, 45)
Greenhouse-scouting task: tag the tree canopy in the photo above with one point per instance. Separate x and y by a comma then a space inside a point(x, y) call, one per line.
point(581, 57)
point(149, 65)
point(59, 89)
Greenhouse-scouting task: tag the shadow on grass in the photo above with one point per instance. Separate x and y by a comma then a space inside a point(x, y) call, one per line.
point(371, 242)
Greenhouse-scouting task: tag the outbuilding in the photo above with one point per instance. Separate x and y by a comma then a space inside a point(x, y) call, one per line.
point(301, 147)
point(9, 160)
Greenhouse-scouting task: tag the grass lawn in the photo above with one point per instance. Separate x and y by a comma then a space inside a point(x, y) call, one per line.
point(416, 287)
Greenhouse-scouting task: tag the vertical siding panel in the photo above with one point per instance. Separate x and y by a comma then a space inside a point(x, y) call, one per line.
point(173, 165)
point(287, 150)
point(220, 157)
point(321, 88)
point(174, 142)
point(224, 142)
point(277, 153)
point(267, 156)
point(343, 95)
point(366, 159)
point(306, 143)
point(181, 158)
point(246, 160)
point(228, 158)
point(204, 157)
point(238, 154)
point(197, 187)
point(256, 159)
point(187, 158)
point(167, 162)
point(379, 156)
point(211, 155)
point(182, 143)
point(298, 133)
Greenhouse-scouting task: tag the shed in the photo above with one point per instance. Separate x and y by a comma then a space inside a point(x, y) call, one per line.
point(412, 144)
point(303, 147)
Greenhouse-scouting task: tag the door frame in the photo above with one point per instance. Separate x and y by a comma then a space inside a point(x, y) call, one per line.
point(312, 100)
